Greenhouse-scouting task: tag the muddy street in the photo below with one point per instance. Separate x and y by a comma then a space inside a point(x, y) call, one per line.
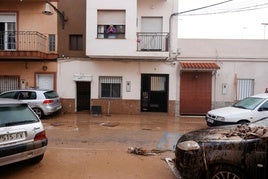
point(86, 146)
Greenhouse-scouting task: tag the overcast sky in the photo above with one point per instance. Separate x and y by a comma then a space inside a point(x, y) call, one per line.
point(221, 22)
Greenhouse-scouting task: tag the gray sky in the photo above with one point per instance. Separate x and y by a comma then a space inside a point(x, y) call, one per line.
point(237, 19)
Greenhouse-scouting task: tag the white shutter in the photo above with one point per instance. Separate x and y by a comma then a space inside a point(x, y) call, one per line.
point(114, 17)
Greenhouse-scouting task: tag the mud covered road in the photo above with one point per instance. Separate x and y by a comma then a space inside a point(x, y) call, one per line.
point(95, 147)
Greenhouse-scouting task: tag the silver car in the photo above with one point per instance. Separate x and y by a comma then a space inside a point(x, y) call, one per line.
point(22, 134)
point(43, 102)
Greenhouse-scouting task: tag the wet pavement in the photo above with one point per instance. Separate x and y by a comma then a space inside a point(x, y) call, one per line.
point(82, 145)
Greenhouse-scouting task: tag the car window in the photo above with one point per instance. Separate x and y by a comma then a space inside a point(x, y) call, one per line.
point(264, 107)
point(249, 103)
point(27, 95)
point(51, 94)
point(9, 95)
point(15, 115)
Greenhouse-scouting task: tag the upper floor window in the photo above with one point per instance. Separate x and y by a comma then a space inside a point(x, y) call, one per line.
point(76, 42)
point(111, 24)
point(7, 31)
point(52, 42)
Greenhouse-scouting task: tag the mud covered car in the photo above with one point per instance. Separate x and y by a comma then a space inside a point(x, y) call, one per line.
point(232, 151)
point(22, 134)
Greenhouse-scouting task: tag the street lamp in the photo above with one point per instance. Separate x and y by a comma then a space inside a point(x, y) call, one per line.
point(47, 11)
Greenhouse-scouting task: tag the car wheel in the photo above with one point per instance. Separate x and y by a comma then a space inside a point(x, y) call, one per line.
point(226, 172)
point(38, 112)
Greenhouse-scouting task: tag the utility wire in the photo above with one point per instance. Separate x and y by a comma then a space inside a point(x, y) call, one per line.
point(229, 8)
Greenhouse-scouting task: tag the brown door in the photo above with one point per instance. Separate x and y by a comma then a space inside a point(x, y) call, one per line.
point(195, 93)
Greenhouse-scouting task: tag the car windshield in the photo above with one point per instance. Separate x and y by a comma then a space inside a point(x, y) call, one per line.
point(249, 103)
point(11, 115)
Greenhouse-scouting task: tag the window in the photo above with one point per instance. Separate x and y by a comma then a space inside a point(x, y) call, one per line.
point(110, 87)
point(7, 31)
point(111, 24)
point(76, 42)
point(52, 42)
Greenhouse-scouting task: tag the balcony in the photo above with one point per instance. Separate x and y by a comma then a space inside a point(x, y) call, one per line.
point(24, 44)
point(152, 41)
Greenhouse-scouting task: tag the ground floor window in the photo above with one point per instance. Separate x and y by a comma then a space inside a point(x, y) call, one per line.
point(110, 87)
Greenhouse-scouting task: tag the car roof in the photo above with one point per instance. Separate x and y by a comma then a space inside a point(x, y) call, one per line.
point(10, 101)
point(261, 95)
point(29, 89)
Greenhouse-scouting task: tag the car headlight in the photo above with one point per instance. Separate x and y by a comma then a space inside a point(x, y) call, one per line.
point(188, 145)
point(220, 118)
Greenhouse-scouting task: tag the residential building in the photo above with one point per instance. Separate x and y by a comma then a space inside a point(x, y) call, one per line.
point(125, 67)
point(218, 72)
point(28, 45)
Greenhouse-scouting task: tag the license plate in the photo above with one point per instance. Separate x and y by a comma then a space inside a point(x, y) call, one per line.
point(210, 120)
point(12, 137)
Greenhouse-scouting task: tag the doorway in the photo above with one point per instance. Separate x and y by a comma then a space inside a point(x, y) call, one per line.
point(154, 93)
point(83, 95)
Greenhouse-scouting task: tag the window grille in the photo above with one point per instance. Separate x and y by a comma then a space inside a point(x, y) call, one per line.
point(110, 87)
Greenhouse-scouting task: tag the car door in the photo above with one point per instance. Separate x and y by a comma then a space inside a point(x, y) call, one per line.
point(262, 111)
point(256, 158)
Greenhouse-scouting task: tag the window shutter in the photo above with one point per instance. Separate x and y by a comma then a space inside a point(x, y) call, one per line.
point(114, 17)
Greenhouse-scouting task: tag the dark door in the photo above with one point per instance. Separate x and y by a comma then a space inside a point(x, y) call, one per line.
point(83, 96)
point(154, 93)
point(2, 35)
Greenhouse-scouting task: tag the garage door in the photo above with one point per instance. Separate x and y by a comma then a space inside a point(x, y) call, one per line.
point(45, 81)
point(9, 83)
point(195, 93)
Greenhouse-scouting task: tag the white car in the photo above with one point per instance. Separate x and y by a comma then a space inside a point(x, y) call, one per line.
point(22, 134)
point(247, 110)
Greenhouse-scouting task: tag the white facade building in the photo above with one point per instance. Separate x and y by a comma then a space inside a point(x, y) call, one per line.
point(242, 67)
point(135, 63)
point(127, 45)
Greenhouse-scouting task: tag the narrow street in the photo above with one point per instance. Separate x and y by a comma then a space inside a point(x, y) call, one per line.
point(86, 146)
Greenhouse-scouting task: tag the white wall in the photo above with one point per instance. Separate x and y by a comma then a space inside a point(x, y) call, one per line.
point(130, 71)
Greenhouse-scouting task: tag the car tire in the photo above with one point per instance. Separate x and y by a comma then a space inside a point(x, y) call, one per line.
point(38, 112)
point(225, 172)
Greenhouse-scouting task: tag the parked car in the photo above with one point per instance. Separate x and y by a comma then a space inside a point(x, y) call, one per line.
point(22, 135)
point(247, 110)
point(43, 102)
point(232, 151)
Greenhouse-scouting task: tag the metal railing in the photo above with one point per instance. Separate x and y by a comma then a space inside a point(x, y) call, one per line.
point(152, 41)
point(23, 41)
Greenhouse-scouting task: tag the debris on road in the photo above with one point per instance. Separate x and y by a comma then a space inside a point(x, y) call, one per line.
point(141, 151)
point(110, 124)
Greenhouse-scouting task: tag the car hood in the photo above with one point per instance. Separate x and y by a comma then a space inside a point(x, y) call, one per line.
point(229, 111)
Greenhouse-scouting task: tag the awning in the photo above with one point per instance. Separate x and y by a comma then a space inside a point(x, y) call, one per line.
point(198, 66)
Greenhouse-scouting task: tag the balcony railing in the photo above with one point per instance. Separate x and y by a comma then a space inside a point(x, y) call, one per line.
point(152, 41)
point(23, 41)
